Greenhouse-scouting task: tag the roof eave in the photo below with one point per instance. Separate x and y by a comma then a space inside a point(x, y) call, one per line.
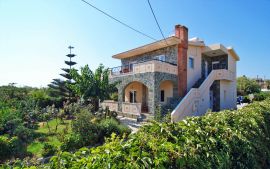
point(233, 53)
point(170, 41)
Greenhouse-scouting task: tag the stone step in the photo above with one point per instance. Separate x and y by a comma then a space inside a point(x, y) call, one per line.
point(133, 124)
point(143, 117)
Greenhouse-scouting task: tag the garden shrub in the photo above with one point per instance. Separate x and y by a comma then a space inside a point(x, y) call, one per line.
point(83, 126)
point(18, 147)
point(114, 96)
point(111, 125)
point(72, 142)
point(158, 114)
point(11, 147)
point(48, 150)
point(228, 139)
point(246, 99)
point(261, 96)
point(162, 113)
point(88, 131)
point(4, 148)
point(24, 134)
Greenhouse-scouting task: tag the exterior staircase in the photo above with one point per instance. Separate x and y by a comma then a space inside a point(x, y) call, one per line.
point(171, 105)
point(196, 101)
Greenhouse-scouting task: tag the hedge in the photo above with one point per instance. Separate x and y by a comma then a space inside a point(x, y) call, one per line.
point(228, 139)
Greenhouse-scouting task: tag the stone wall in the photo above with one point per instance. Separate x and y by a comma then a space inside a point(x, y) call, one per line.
point(151, 80)
point(169, 52)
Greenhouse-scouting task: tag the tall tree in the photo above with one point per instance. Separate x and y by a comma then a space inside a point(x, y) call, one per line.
point(92, 86)
point(247, 86)
point(60, 87)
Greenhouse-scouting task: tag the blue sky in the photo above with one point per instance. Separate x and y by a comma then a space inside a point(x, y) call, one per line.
point(34, 34)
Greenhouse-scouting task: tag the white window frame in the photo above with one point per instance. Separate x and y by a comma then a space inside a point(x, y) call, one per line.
point(133, 96)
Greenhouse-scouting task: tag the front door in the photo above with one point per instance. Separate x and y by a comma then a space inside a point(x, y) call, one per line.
point(132, 96)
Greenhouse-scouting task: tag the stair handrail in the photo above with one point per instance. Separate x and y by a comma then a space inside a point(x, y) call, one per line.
point(195, 93)
point(187, 100)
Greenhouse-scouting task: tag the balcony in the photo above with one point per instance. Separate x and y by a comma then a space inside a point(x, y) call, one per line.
point(144, 67)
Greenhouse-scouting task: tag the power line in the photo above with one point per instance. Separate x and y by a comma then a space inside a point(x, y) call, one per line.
point(156, 21)
point(117, 20)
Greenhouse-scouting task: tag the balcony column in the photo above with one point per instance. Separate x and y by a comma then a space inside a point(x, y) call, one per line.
point(151, 99)
point(120, 98)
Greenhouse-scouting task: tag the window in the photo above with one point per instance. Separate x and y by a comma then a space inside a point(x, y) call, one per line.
point(162, 96)
point(131, 67)
point(132, 96)
point(161, 58)
point(191, 63)
point(215, 65)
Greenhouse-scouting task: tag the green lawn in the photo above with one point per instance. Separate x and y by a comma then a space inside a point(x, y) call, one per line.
point(35, 148)
point(45, 136)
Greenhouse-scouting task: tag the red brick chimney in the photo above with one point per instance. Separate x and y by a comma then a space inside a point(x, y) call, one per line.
point(182, 33)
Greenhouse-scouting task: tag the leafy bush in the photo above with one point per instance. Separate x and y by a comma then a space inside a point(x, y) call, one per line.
point(20, 110)
point(246, 99)
point(49, 150)
point(162, 114)
point(72, 142)
point(84, 132)
point(87, 130)
point(9, 120)
point(247, 86)
point(229, 139)
point(24, 134)
point(158, 114)
point(114, 96)
point(111, 125)
point(4, 148)
point(261, 96)
point(41, 97)
point(11, 147)
point(105, 113)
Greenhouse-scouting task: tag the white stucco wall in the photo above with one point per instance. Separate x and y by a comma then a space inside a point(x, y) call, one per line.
point(227, 94)
point(193, 75)
point(232, 64)
point(204, 103)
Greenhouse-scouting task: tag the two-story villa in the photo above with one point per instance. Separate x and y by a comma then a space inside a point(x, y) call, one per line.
point(184, 74)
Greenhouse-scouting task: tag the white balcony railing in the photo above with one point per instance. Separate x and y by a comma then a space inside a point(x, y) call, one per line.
point(128, 108)
point(132, 108)
point(143, 67)
point(112, 105)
